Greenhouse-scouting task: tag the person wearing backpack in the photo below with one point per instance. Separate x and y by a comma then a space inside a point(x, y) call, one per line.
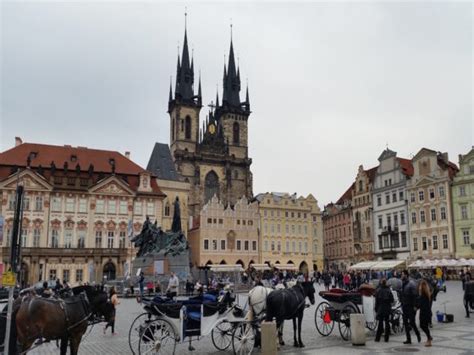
point(383, 307)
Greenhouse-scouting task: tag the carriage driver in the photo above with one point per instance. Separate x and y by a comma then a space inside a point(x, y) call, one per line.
point(173, 285)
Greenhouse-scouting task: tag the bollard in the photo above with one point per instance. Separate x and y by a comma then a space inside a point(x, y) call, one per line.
point(268, 336)
point(357, 328)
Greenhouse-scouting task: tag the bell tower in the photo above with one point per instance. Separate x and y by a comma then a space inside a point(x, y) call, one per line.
point(184, 106)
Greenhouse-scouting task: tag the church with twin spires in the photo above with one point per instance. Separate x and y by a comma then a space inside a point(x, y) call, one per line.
point(212, 155)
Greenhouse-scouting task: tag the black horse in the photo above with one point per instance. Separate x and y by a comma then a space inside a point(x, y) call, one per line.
point(290, 304)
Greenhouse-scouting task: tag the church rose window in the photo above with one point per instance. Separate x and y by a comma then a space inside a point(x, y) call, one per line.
point(211, 186)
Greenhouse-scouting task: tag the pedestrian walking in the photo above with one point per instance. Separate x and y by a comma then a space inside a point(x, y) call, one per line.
point(113, 299)
point(46, 292)
point(424, 303)
point(409, 297)
point(58, 286)
point(383, 307)
point(141, 284)
point(173, 285)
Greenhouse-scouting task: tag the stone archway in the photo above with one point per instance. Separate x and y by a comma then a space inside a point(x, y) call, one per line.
point(303, 267)
point(209, 262)
point(223, 262)
point(109, 271)
point(240, 262)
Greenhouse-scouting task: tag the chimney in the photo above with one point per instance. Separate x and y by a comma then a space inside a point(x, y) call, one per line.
point(127, 155)
point(18, 141)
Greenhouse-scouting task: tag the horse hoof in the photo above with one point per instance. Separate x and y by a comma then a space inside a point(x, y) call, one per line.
point(282, 343)
point(296, 345)
point(301, 345)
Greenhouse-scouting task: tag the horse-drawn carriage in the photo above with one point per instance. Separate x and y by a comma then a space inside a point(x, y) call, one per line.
point(166, 322)
point(338, 307)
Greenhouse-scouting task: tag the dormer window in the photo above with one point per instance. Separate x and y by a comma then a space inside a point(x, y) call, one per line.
point(73, 158)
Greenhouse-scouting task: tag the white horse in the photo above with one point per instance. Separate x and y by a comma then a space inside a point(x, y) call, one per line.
point(258, 300)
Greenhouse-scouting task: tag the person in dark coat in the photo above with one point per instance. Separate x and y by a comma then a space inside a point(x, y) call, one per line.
point(424, 303)
point(409, 297)
point(383, 306)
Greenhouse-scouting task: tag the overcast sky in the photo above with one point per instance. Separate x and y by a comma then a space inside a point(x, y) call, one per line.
point(330, 84)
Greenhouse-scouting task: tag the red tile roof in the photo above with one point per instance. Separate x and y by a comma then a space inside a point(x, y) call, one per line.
point(43, 155)
point(406, 165)
point(371, 173)
point(346, 196)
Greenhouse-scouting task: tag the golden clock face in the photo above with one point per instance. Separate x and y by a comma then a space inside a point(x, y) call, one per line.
point(212, 129)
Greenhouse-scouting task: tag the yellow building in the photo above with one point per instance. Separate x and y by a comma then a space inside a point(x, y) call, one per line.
point(226, 235)
point(291, 230)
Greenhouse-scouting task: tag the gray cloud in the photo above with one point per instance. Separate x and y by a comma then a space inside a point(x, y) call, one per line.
point(330, 83)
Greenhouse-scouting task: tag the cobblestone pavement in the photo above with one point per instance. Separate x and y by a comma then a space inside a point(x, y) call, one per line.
point(452, 338)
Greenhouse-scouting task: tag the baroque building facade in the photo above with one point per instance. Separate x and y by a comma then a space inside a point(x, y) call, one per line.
point(291, 230)
point(362, 214)
point(225, 234)
point(390, 208)
point(462, 193)
point(213, 159)
point(429, 207)
point(78, 209)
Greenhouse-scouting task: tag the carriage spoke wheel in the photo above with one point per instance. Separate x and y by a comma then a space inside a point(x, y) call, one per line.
point(222, 335)
point(322, 319)
point(158, 337)
point(396, 321)
point(136, 329)
point(372, 326)
point(243, 339)
point(345, 321)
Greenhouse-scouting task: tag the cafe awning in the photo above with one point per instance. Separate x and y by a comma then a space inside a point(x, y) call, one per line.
point(226, 268)
point(260, 267)
point(289, 267)
point(363, 265)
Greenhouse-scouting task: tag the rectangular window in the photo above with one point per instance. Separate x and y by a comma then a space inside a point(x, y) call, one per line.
point(293, 229)
point(112, 206)
point(422, 216)
point(54, 238)
point(222, 244)
point(150, 209)
point(70, 205)
point(246, 245)
point(79, 276)
point(424, 244)
point(65, 275)
point(123, 207)
point(39, 203)
point(441, 191)
point(81, 239)
point(265, 213)
point(82, 205)
point(404, 239)
point(305, 247)
point(293, 246)
point(435, 242)
point(287, 229)
point(400, 195)
point(56, 204)
point(464, 212)
point(52, 274)
point(445, 241)
point(254, 245)
point(389, 220)
point(287, 249)
point(421, 195)
point(379, 200)
point(402, 218)
point(299, 229)
point(24, 238)
point(98, 239)
point(279, 246)
point(462, 190)
point(380, 222)
point(412, 197)
point(36, 237)
point(443, 213)
point(137, 208)
point(415, 244)
point(214, 244)
point(387, 198)
point(110, 239)
point(380, 242)
point(394, 197)
point(413, 218)
point(11, 201)
point(239, 245)
point(278, 228)
point(299, 247)
point(99, 208)
point(466, 237)
point(273, 245)
point(68, 238)
point(265, 245)
point(122, 235)
point(26, 203)
point(433, 214)
point(221, 221)
point(206, 244)
point(432, 193)
point(395, 219)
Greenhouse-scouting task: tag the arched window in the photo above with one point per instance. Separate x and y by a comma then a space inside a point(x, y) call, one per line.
point(236, 135)
point(360, 185)
point(187, 128)
point(167, 209)
point(211, 186)
point(172, 129)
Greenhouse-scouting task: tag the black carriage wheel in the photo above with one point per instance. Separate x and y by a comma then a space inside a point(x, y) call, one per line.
point(243, 338)
point(396, 321)
point(221, 335)
point(136, 329)
point(158, 337)
point(345, 321)
point(322, 319)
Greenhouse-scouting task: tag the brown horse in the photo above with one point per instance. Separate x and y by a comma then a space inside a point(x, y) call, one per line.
point(45, 319)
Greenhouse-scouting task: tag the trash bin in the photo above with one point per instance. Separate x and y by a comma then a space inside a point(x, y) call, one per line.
point(357, 328)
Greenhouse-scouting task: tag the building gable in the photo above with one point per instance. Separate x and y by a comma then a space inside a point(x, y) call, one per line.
point(29, 179)
point(111, 186)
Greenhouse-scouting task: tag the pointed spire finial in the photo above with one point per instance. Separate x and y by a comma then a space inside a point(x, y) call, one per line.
point(185, 18)
point(231, 29)
point(171, 89)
